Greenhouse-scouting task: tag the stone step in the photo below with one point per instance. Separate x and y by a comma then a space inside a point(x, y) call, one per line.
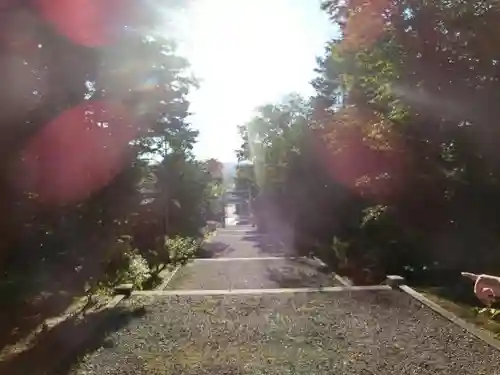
point(265, 273)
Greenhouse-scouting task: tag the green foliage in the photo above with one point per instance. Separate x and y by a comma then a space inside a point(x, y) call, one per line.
point(245, 179)
point(271, 139)
point(170, 252)
point(412, 65)
point(124, 265)
point(493, 314)
point(341, 249)
point(181, 249)
point(393, 156)
point(371, 214)
point(156, 188)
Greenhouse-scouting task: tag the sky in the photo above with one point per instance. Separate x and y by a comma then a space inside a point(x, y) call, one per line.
point(246, 53)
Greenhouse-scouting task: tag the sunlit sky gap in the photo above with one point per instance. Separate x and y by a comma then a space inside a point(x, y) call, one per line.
point(245, 54)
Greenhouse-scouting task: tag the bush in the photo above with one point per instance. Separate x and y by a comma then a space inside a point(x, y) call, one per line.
point(170, 252)
point(181, 249)
point(137, 272)
point(125, 265)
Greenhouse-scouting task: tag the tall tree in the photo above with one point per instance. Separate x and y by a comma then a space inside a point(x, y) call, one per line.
point(94, 104)
point(419, 79)
point(393, 163)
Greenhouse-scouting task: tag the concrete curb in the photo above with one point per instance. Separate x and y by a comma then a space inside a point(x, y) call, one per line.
point(219, 292)
point(246, 259)
point(480, 334)
point(115, 301)
point(169, 276)
point(343, 280)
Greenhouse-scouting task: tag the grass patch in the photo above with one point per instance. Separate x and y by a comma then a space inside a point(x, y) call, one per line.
point(467, 311)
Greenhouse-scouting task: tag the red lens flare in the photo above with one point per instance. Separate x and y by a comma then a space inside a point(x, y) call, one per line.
point(91, 23)
point(78, 153)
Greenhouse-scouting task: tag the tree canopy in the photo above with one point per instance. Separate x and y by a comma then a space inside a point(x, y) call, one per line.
point(96, 165)
point(393, 160)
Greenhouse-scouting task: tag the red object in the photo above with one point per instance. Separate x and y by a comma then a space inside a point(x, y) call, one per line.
point(78, 153)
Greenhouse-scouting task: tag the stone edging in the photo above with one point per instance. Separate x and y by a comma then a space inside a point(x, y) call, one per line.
point(479, 333)
point(169, 276)
point(220, 292)
point(343, 280)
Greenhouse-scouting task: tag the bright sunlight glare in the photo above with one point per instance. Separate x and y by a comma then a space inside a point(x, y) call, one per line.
point(245, 54)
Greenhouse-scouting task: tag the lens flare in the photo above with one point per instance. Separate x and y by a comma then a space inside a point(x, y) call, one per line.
point(91, 23)
point(77, 153)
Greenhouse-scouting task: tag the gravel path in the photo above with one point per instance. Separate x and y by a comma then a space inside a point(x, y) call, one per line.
point(384, 332)
point(251, 274)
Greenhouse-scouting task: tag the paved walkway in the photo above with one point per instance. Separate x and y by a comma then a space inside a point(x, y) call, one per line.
point(251, 308)
point(239, 257)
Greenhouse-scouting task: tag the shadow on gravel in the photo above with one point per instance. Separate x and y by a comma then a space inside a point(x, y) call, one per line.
point(291, 277)
point(269, 247)
point(19, 318)
point(308, 261)
point(253, 237)
point(251, 232)
point(70, 339)
point(214, 249)
point(243, 222)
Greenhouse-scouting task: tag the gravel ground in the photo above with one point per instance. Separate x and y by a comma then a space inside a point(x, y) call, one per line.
point(250, 274)
point(384, 332)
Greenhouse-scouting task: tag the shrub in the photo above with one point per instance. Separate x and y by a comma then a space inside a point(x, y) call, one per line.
point(124, 265)
point(170, 252)
point(181, 249)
